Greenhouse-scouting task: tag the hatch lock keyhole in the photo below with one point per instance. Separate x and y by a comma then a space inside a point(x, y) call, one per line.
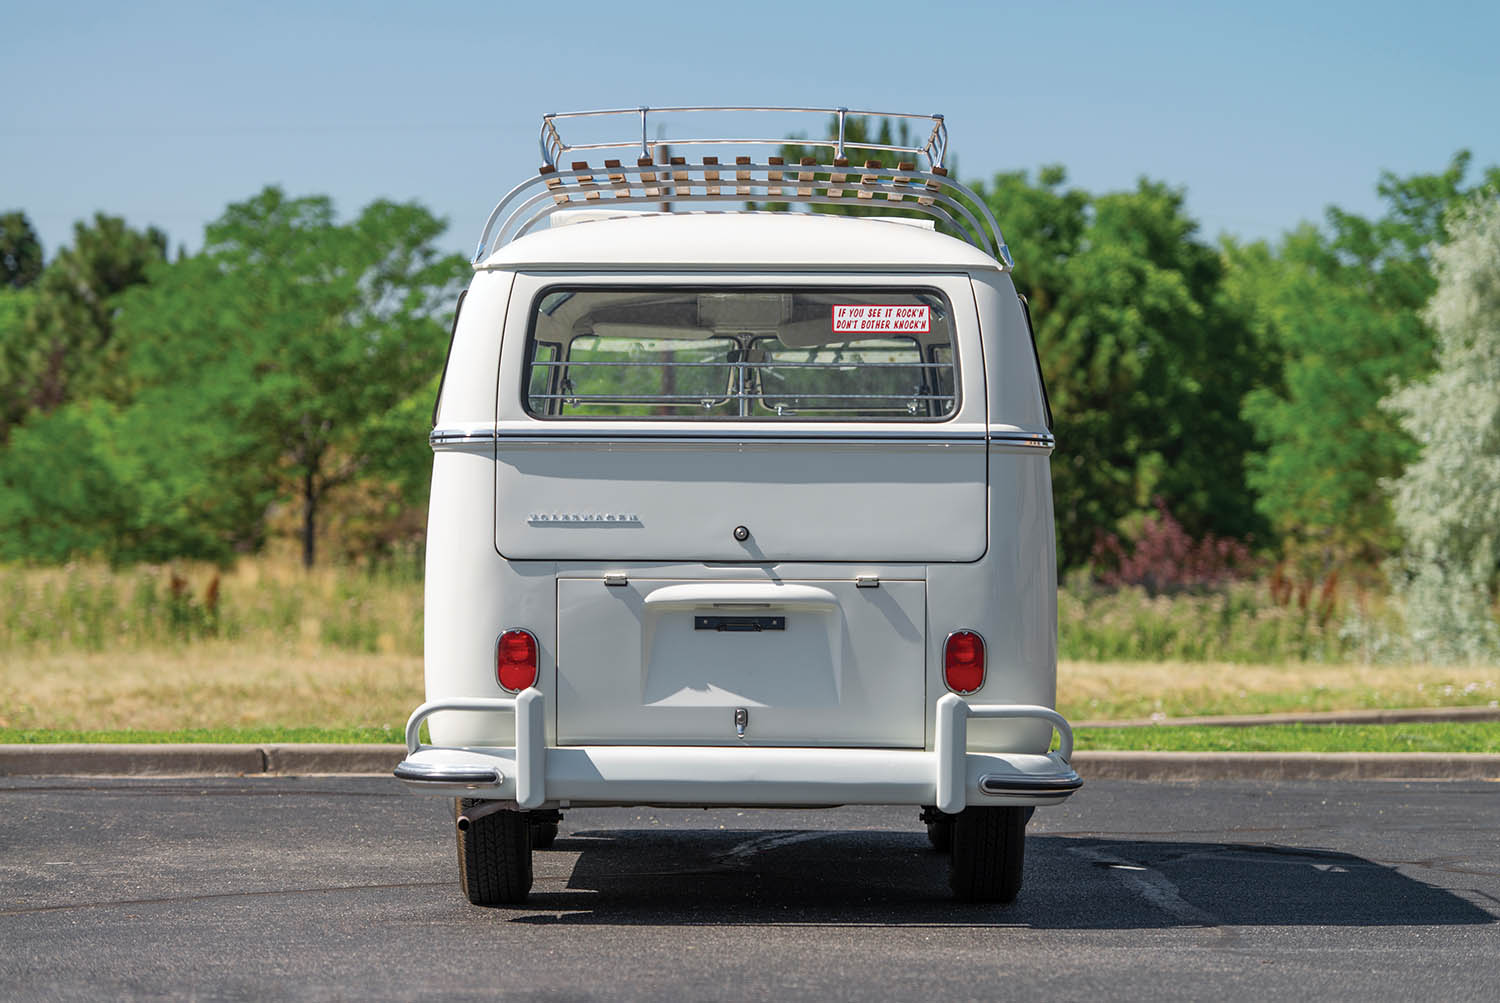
point(741, 533)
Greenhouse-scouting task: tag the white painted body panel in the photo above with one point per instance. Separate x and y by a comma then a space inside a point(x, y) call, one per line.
point(825, 501)
point(846, 670)
point(788, 243)
point(954, 518)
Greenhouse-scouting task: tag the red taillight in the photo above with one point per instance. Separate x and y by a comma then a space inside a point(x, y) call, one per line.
point(515, 660)
point(963, 661)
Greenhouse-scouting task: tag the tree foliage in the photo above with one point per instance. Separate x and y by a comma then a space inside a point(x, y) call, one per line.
point(1342, 314)
point(66, 347)
point(293, 355)
point(1146, 357)
point(1447, 502)
point(20, 251)
point(290, 340)
point(283, 376)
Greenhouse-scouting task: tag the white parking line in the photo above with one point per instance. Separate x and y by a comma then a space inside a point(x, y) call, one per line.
point(1153, 886)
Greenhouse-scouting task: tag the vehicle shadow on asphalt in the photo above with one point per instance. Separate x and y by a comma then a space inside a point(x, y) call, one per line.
point(882, 878)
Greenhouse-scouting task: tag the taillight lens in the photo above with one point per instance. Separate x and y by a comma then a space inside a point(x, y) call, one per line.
point(963, 661)
point(515, 660)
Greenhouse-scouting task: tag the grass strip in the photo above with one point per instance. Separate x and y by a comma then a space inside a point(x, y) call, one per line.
point(1438, 736)
point(226, 736)
point(1445, 736)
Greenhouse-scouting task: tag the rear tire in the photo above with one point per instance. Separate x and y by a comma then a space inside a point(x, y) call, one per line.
point(989, 847)
point(494, 856)
point(940, 835)
point(543, 834)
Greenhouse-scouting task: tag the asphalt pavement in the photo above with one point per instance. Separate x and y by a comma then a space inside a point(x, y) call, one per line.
point(346, 888)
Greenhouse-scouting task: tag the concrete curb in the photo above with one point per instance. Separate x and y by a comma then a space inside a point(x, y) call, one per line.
point(378, 760)
point(1161, 766)
point(200, 760)
point(1421, 714)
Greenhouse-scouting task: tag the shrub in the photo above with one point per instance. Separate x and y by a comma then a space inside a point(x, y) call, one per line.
point(1164, 558)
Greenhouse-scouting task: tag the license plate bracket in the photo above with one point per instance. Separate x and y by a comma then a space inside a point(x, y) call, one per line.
point(739, 623)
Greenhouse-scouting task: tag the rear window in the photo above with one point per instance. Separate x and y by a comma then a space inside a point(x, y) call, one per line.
point(763, 354)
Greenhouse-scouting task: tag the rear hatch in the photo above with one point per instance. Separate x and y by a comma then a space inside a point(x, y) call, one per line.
point(673, 661)
point(810, 420)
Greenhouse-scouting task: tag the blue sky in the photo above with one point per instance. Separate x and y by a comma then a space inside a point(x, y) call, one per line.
point(1265, 113)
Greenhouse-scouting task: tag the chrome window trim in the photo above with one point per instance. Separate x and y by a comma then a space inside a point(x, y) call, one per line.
point(1036, 440)
point(956, 366)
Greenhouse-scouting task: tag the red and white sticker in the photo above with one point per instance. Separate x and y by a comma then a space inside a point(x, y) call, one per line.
point(851, 319)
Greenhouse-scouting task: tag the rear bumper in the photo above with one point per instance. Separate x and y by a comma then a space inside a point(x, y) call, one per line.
point(948, 776)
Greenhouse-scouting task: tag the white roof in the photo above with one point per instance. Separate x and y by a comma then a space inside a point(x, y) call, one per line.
point(740, 241)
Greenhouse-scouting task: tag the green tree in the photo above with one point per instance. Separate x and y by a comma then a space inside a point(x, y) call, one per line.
point(1447, 502)
point(15, 313)
point(20, 251)
point(1341, 307)
point(58, 496)
point(68, 349)
point(1146, 357)
point(93, 478)
point(284, 348)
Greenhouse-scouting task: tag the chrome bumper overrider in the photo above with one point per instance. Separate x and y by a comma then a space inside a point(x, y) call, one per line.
point(948, 776)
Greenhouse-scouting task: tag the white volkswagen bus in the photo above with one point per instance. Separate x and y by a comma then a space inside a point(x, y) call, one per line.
point(740, 508)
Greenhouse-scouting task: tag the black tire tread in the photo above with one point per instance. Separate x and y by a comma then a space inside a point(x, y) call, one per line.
point(494, 856)
point(989, 847)
point(543, 835)
point(940, 835)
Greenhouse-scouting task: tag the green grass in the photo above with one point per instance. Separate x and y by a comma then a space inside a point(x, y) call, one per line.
point(242, 736)
point(1422, 737)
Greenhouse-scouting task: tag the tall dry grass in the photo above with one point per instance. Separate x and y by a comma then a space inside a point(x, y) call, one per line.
point(209, 684)
point(266, 643)
point(1247, 622)
point(259, 603)
point(1127, 690)
point(270, 644)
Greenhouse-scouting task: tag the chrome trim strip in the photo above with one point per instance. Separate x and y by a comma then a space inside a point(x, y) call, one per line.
point(1058, 787)
point(454, 436)
point(486, 436)
point(429, 774)
point(733, 440)
point(1038, 440)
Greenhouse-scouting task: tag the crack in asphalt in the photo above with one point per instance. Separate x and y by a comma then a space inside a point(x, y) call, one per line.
point(172, 899)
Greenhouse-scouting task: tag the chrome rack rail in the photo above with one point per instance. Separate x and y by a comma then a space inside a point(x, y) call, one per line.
point(830, 180)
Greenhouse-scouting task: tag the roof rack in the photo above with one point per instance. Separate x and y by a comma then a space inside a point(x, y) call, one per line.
point(828, 179)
